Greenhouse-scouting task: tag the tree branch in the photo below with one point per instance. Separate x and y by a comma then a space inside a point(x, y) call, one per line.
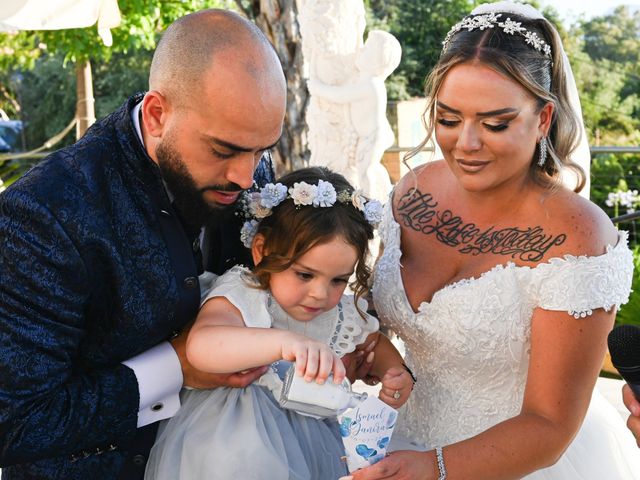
point(251, 9)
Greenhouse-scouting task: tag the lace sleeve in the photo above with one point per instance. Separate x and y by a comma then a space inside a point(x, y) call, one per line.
point(351, 329)
point(252, 302)
point(386, 228)
point(581, 284)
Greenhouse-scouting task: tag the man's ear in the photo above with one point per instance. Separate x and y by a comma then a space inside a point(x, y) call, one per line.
point(257, 248)
point(154, 113)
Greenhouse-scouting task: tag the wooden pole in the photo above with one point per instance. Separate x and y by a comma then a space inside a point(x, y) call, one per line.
point(85, 110)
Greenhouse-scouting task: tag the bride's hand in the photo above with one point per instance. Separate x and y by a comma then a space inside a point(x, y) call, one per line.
point(400, 465)
point(397, 385)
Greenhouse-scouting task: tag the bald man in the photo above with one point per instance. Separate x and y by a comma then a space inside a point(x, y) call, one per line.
point(100, 251)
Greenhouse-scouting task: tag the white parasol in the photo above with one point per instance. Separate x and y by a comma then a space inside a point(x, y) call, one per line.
point(60, 14)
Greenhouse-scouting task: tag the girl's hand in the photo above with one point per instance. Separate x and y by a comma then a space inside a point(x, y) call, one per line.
point(314, 360)
point(397, 385)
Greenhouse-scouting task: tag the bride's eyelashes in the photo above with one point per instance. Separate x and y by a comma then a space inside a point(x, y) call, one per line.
point(497, 128)
point(447, 123)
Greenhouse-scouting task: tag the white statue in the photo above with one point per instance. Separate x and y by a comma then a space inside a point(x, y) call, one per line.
point(366, 97)
point(331, 32)
point(347, 132)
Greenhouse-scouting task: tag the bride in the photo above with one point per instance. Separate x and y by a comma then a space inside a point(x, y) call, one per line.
point(503, 283)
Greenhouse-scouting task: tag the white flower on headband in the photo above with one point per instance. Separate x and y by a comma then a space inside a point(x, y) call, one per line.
point(302, 193)
point(491, 20)
point(248, 232)
point(256, 206)
point(272, 195)
point(484, 22)
point(532, 39)
point(325, 195)
point(373, 212)
point(512, 27)
point(358, 199)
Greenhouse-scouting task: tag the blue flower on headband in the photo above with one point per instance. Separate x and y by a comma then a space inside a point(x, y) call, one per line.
point(254, 206)
point(325, 195)
point(248, 232)
point(272, 195)
point(373, 212)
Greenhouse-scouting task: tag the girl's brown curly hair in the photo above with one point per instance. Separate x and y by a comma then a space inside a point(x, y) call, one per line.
point(291, 231)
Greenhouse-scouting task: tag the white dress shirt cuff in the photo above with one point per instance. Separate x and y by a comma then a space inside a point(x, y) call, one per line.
point(159, 381)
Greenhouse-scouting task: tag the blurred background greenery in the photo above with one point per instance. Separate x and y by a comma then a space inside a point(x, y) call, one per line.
point(38, 72)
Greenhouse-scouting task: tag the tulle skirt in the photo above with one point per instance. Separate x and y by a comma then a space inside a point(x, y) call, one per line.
point(603, 449)
point(230, 433)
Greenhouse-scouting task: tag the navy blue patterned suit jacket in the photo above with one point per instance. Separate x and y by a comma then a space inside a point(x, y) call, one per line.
point(95, 268)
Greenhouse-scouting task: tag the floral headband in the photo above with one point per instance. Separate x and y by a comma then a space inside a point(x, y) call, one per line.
point(257, 205)
point(492, 20)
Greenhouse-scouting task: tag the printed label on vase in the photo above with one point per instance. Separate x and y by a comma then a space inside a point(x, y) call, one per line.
point(366, 431)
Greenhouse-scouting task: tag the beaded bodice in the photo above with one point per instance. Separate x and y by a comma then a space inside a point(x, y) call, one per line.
point(469, 346)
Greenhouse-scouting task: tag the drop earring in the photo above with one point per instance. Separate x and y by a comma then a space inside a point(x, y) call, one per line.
point(543, 152)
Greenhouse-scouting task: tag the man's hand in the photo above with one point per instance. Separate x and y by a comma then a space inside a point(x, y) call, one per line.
point(198, 379)
point(634, 407)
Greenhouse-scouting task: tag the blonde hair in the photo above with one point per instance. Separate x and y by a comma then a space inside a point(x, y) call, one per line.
point(542, 77)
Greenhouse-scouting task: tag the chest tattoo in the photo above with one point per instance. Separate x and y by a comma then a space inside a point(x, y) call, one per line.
point(418, 211)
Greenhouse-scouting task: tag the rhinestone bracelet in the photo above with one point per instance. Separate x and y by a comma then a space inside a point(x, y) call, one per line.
point(441, 468)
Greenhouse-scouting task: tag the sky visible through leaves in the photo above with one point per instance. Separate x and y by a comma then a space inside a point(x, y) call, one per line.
point(571, 10)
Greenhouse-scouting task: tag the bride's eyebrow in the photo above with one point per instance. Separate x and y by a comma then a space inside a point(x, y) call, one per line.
point(492, 113)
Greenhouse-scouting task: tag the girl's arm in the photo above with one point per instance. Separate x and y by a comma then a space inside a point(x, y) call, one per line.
point(219, 342)
point(385, 354)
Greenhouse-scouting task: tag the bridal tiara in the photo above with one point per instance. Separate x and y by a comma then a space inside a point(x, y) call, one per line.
point(491, 20)
point(256, 205)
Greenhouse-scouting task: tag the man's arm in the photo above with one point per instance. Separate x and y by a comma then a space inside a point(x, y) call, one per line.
point(161, 372)
point(197, 379)
point(49, 404)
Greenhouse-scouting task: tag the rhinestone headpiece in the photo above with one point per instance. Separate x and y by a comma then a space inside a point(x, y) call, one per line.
point(256, 205)
point(491, 20)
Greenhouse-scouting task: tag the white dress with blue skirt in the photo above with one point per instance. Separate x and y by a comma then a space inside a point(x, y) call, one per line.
point(228, 433)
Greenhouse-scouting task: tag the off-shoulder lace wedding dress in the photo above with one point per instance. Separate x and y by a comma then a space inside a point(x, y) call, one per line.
point(469, 347)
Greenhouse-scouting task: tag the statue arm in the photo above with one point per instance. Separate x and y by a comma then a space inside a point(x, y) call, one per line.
point(341, 93)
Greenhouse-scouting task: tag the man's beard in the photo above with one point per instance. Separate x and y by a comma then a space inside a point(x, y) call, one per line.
point(188, 199)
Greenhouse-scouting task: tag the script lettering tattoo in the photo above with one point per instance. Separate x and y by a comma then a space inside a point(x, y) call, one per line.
point(418, 211)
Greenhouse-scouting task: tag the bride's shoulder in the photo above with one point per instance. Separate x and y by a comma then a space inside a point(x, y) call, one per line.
point(420, 178)
point(587, 228)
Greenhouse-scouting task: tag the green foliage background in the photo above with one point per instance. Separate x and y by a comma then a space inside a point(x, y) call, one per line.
point(37, 69)
point(37, 77)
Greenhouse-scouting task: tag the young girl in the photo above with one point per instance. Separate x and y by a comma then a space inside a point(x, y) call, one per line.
point(307, 234)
